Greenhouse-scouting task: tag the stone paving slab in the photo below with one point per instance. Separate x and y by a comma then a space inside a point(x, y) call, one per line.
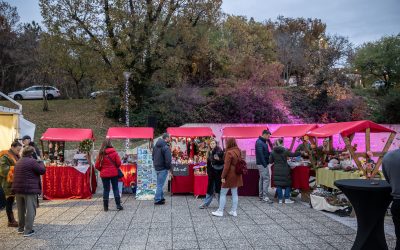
point(180, 224)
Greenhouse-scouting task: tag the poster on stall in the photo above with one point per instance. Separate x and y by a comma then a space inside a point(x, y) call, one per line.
point(146, 175)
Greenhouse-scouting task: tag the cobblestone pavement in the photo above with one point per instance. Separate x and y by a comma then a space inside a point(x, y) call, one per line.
point(81, 224)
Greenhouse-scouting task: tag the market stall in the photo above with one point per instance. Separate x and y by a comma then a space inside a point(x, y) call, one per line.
point(68, 177)
point(250, 180)
point(341, 160)
point(138, 172)
point(189, 146)
point(301, 167)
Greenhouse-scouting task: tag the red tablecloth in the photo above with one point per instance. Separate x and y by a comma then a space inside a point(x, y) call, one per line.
point(68, 183)
point(300, 177)
point(200, 185)
point(183, 184)
point(130, 174)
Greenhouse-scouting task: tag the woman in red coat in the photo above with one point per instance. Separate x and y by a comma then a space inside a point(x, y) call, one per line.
point(107, 163)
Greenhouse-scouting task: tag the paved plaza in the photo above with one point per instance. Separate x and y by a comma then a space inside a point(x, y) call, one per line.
point(82, 224)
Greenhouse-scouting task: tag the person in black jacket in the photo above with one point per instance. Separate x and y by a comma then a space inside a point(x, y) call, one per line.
point(215, 165)
point(282, 177)
point(262, 158)
point(162, 159)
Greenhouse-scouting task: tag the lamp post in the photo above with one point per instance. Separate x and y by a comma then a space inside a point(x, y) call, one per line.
point(127, 76)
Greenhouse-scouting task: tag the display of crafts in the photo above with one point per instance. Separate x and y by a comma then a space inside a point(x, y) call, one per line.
point(200, 169)
point(298, 161)
point(189, 150)
point(54, 156)
point(333, 199)
point(341, 160)
point(146, 175)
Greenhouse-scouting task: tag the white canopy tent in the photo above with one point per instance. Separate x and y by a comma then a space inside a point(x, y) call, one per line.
point(13, 125)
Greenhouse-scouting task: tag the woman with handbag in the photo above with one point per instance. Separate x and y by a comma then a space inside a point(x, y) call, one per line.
point(230, 178)
point(215, 164)
point(109, 163)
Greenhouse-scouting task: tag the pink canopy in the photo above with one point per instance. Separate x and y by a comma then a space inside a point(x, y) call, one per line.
point(348, 128)
point(130, 133)
point(294, 130)
point(242, 132)
point(67, 134)
point(190, 132)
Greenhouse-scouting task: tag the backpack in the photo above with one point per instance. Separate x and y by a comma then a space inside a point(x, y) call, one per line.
point(241, 166)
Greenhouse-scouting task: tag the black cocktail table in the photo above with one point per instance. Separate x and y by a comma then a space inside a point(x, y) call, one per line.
point(370, 200)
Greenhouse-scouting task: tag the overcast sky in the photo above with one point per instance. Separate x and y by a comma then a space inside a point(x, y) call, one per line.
point(359, 20)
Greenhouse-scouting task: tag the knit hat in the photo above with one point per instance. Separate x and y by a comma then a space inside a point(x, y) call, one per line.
point(26, 137)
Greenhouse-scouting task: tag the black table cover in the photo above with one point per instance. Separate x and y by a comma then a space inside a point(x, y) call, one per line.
point(370, 200)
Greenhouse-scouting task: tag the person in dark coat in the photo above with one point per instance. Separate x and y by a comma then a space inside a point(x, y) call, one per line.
point(27, 141)
point(215, 165)
point(391, 171)
point(26, 186)
point(262, 158)
point(229, 178)
point(162, 160)
point(108, 162)
point(281, 176)
point(8, 159)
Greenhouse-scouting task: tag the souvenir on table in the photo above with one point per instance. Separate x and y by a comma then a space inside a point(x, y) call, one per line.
point(146, 175)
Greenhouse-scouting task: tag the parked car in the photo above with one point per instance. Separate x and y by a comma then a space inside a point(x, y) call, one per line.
point(35, 92)
point(99, 93)
point(378, 84)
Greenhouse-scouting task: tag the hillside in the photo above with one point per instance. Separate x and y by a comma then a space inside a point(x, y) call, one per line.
point(77, 113)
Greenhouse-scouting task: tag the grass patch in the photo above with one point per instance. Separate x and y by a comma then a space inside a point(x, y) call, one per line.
point(76, 113)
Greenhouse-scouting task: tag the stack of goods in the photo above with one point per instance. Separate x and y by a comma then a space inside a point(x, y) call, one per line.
point(200, 169)
point(298, 161)
point(54, 156)
point(146, 175)
point(189, 151)
point(328, 201)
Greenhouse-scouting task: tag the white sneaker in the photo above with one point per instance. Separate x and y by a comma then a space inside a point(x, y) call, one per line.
point(288, 201)
point(267, 200)
point(233, 213)
point(218, 213)
point(280, 201)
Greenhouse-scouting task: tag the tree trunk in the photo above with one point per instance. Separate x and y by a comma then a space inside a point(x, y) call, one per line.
point(78, 90)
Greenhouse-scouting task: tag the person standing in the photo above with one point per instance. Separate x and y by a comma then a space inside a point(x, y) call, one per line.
point(162, 159)
point(8, 159)
point(281, 175)
point(391, 171)
point(230, 179)
point(215, 165)
point(26, 186)
point(262, 157)
point(27, 141)
point(108, 162)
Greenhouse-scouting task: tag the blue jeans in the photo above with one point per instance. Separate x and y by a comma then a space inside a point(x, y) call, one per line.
point(161, 178)
point(222, 199)
point(106, 187)
point(287, 192)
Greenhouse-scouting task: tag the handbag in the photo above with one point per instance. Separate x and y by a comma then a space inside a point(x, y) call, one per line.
point(120, 174)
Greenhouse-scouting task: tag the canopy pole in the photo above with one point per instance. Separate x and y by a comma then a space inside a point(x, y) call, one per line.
point(385, 149)
point(355, 158)
point(367, 140)
point(292, 144)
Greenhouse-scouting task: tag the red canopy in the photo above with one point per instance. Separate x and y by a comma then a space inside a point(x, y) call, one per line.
point(67, 134)
point(190, 132)
point(348, 128)
point(242, 132)
point(130, 133)
point(293, 130)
